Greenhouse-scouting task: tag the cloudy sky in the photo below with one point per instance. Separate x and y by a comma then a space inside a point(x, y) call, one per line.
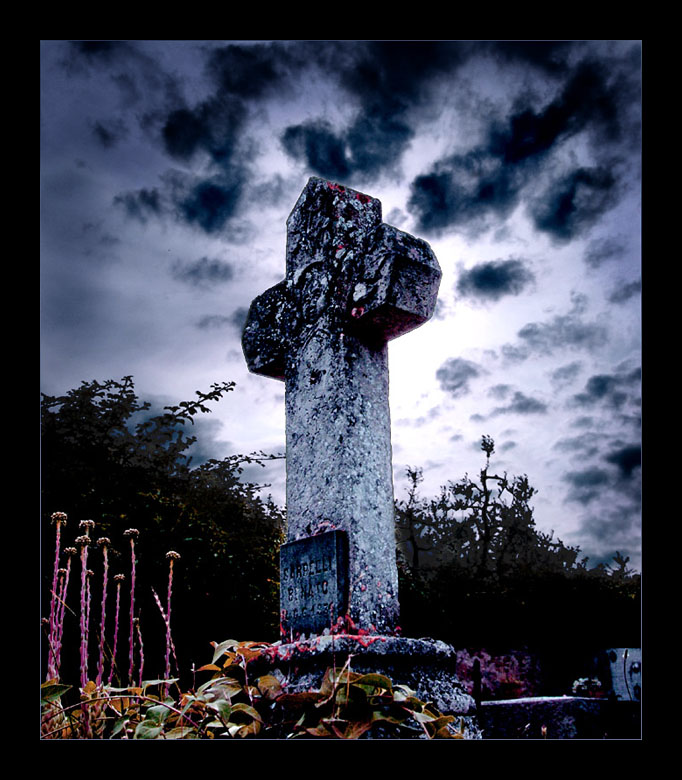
point(168, 169)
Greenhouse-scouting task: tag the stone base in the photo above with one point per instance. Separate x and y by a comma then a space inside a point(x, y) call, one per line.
point(426, 666)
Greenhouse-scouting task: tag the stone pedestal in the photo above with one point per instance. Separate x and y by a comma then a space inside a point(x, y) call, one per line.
point(427, 666)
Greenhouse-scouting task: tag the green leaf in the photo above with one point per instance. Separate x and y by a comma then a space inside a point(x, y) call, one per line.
point(182, 732)
point(119, 726)
point(157, 714)
point(375, 680)
point(269, 686)
point(147, 683)
point(219, 649)
point(247, 710)
point(146, 730)
point(50, 691)
point(222, 707)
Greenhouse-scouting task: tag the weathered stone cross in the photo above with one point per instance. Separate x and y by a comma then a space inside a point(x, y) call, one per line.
point(352, 284)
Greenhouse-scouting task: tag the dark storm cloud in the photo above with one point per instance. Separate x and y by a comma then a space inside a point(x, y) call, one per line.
point(625, 291)
point(594, 100)
point(216, 321)
point(455, 374)
point(521, 404)
point(213, 322)
point(564, 331)
point(206, 204)
point(574, 202)
point(317, 144)
point(494, 279)
point(548, 56)
point(464, 190)
point(611, 390)
point(141, 204)
point(137, 76)
point(202, 272)
point(627, 459)
point(564, 375)
point(211, 202)
point(214, 126)
point(585, 446)
point(109, 133)
point(499, 391)
point(238, 317)
point(601, 250)
point(97, 51)
point(587, 484)
point(388, 81)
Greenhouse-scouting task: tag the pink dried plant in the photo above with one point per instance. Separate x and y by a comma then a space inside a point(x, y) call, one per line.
point(131, 533)
point(104, 543)
point(172, 556)
point(61, 606)
point(83, 542)
point(59, 519)
point(141, 649)
point(118, 579)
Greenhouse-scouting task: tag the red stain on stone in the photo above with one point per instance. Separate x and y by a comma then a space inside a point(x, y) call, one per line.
point(362, 198)
point(357, 312)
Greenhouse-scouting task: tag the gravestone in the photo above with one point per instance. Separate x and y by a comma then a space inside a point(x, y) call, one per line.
point(625, 668)
point(352, 284)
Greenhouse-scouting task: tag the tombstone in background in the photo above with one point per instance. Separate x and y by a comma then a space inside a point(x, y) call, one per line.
point(625, 667)
point(352, 284)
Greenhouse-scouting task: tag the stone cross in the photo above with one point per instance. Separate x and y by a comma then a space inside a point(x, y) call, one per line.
point(352, 284)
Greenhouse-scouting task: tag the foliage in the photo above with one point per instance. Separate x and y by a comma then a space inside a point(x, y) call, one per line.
point(477, 544)
point(230, 705)
point(106, 455)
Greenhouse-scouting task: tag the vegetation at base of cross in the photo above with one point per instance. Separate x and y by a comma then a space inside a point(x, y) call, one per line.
point(473, 564)
point(233, 703)
point(347, 705)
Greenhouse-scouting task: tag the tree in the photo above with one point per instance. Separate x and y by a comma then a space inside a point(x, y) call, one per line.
point(105, 457)
point(474, 568)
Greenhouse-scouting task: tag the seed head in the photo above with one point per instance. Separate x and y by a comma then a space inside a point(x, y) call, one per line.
point(89, 573)
point(70, 551)
point(86, 524)
point(61, 571)
point(172, 555)
point(82, 541)
point(104, 541)
point(119, 577)
point(59, 518)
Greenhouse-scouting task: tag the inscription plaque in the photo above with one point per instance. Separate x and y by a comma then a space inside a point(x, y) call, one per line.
point(313, 583)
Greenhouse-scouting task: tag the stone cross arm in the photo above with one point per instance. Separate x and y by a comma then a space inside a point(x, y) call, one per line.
point(372, 279)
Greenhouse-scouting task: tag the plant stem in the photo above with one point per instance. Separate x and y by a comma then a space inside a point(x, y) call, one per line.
point(132, 533)
point(119, 579)
point(103, 542)
point(59, 518)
